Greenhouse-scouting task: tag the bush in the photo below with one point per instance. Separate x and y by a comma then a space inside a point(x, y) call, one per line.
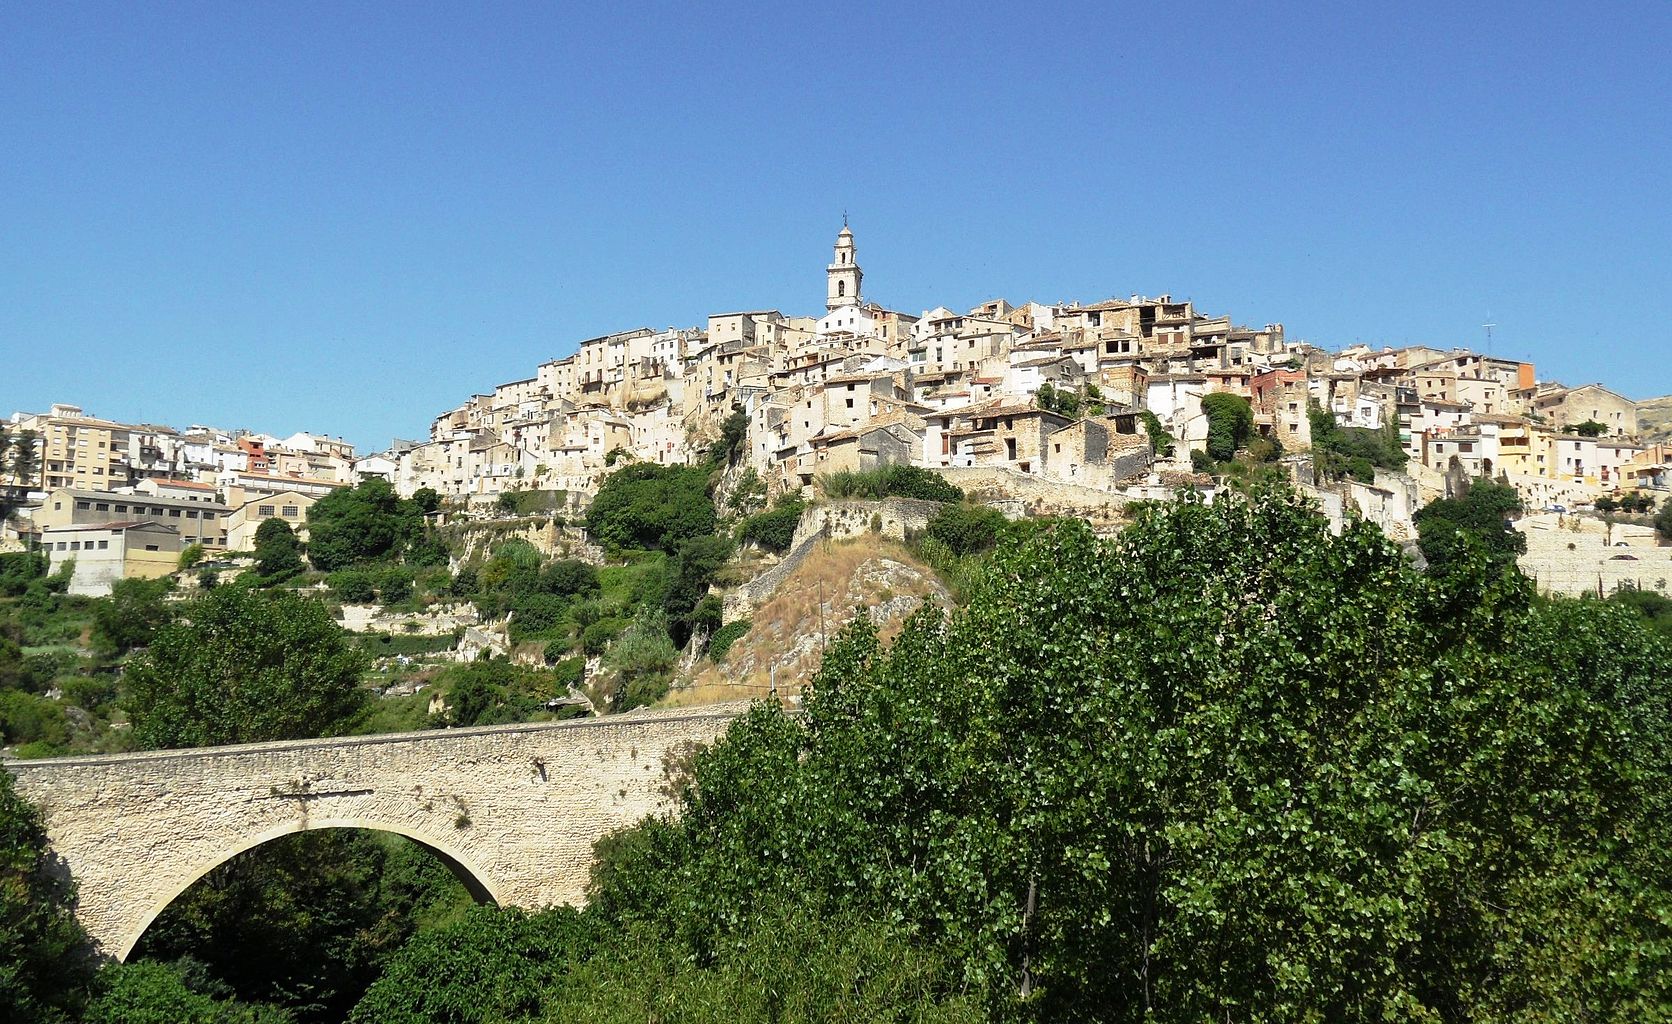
point(1230, 424)
point(966, 529)
point(596, 637)
point(394, 584)
point(650, 506)
point(1201, 461)
point(1663, 521)
point(533, 615)
point(569, 577)
point(353, 586)
point(890, 482)
point(190, 555)
point(774, 529)
point(725, 636)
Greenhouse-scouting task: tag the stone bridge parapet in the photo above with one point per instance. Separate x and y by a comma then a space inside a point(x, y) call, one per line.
point(514, 810)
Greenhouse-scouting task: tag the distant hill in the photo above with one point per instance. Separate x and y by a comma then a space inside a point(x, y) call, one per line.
point(1654, 419)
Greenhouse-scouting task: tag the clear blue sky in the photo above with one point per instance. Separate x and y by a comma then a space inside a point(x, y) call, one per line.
point(345, 218)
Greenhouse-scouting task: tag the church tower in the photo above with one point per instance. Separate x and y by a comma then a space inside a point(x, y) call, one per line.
point(843, 275)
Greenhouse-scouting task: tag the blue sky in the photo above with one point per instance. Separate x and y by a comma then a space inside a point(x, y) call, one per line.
point(345, 218)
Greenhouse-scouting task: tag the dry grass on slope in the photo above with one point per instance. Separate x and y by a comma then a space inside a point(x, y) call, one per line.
point(790, 631)
point(1654, 419)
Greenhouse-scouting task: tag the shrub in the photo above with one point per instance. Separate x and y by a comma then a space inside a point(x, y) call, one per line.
point(1230, 423)
point(775, 528)
point(535, 614)
point(596, 637)
point(569, 577)
point(190, 555)
point(966, 529)
point(394, 584)
point(725, 636)
point(649, 506)
point(353, 586)
point(890, 481)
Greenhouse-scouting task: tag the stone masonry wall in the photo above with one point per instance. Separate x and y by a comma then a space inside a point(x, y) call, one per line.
point(515, 808)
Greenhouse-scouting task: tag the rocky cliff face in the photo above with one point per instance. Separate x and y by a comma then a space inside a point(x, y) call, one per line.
point(789, 632)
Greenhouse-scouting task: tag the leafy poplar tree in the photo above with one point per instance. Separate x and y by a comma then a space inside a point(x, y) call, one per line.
point(1224, 766)
point(244, 666)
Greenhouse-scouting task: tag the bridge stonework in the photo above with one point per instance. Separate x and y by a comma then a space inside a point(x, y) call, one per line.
point(514, 810)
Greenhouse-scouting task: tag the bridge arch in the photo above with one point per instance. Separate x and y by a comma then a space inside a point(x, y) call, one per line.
point(475, 880)
point(515, 810)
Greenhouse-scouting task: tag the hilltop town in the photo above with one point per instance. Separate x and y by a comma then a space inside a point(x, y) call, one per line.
point(1062, 408)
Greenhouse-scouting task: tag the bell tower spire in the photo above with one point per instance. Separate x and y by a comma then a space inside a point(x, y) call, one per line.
point(843, 276)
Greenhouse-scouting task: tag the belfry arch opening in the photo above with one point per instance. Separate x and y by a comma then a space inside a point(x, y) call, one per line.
point(469, 878)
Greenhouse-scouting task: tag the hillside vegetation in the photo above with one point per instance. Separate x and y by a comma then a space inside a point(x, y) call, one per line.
point(1654, 419)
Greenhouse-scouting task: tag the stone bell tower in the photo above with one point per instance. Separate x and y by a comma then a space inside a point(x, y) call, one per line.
point(843, 275)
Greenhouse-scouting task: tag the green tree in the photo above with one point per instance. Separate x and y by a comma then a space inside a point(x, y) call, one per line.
point(277, 553)
point(26, 459)
point(1447, 527)
point(1590, 428)
point(649, 506)
point(1161, 442)
point(1230, 424)
point(792, 967)
point(155, 993)
point(190, 555)
point(491, 966)
point(1663, 521)
point(733, 432)
point(362, 524)
point(244, 666)
point(966, 529)
point(1224, 766)
point(46, 962)
point(774, 529)
point(137, 608)
point(426, 500)
point(698, 559)
point(353, 586)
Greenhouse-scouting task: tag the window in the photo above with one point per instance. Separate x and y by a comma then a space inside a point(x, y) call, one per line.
point(83, 505)
point(75, 545)
point(288, 511)
point(174, 513)
point(265, 510)
point(104, 545)
point(62, 546)
point(156, 510)
point(121, 508)
point(150, 547)
point(841, 288)
point(102, 506)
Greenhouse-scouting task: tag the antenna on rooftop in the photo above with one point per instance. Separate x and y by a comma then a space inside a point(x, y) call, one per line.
point(1488, 327)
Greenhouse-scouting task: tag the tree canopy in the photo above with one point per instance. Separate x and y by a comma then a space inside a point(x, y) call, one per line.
point(1479, 516)
point(1230, 424)
point(1224, 766)
point(244, 666)
point(649, 506)
point(365, 523)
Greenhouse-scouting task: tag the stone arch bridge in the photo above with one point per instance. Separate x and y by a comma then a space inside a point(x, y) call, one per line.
point(513, 810)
